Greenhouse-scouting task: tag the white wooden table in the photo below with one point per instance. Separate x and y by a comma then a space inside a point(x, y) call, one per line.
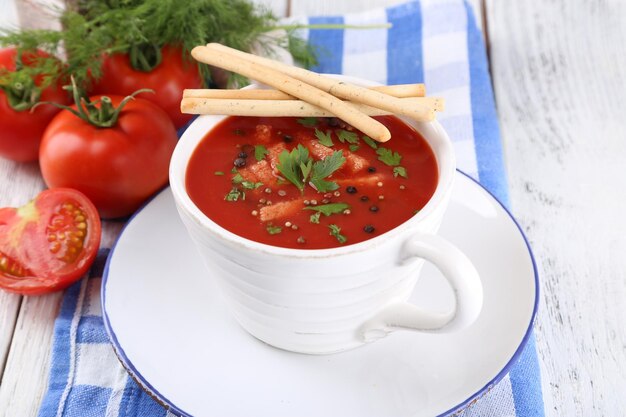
point(559, 74)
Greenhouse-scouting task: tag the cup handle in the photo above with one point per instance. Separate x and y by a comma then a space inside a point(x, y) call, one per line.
point(462, 277)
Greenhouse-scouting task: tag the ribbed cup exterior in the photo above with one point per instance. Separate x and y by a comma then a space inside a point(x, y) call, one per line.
point(309, 305)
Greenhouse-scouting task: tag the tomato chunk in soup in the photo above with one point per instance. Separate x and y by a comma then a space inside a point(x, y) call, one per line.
point(309, 183)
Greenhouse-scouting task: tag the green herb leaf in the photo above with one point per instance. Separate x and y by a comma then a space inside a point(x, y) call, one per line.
point(308, 121)
point(298, 168)
point(347, 136)
point(323, 169)
point(328, 209)
point(324, 138)
point(371, 142)
point(233, 171)
point(237, 178)
point(249, 185)
point(389, 157)
point(259, 152)
point(315, 218)
point(399, 171)
point(219, 173)
point(235, 194)
point(336, 231)
point(354, 148)
point(290, 165)
point(273, 230)
point(306, 169)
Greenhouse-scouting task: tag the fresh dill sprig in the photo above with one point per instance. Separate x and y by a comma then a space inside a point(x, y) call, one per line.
point(92, 28)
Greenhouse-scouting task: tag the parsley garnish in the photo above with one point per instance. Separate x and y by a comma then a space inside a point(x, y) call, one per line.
point(324, 138)
point(259, 152)
point(389, 157)
point(249, 185)
point(237, 178)
point(219, 173)
point(347, 136)
point(354, 148)
point(235, 194)
point(273, 230)
point(233, 171)
point(372, 144)
point(401, 171)
point(290, 165)
point(328, 209)
point(315, 218)
point(308, 121)
point(298, 168)
point(336, 231)
point(323, 169)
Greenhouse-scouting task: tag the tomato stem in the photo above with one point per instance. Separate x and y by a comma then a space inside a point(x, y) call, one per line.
point(100, 113)
point(21, 92)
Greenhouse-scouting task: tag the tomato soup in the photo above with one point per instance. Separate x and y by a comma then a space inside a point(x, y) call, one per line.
point(309, 183)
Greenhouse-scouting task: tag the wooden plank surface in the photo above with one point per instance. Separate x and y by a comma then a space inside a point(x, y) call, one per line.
point(18, 184)
point(25, 378)
point(559, 71)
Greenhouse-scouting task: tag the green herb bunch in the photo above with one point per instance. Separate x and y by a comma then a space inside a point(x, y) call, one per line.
point(92, 28)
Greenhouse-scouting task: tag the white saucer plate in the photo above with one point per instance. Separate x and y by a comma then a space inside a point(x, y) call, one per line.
point(170, 328)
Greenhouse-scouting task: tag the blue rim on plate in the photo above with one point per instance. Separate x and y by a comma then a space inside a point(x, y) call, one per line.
point(153, 392)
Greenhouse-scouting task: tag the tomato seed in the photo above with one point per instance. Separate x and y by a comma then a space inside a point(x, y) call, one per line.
point(55, 247)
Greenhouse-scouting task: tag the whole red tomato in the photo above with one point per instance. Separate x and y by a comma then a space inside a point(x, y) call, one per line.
point(168, 80)
point(117, 167)
point(48, 243)
point(21, 130)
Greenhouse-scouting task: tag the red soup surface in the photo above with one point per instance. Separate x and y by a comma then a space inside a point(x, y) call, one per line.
point(309, 183)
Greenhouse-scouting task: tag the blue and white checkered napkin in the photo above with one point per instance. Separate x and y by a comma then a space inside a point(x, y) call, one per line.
point(433, 42)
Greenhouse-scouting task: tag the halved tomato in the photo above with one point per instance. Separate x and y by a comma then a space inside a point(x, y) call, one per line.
point(48, 243)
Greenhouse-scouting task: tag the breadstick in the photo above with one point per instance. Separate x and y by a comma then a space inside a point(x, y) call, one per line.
point(271, 108)
point(399, 90)
point(296, 88)
point(332, 86)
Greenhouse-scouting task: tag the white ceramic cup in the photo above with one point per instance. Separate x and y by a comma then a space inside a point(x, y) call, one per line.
point(330, 300)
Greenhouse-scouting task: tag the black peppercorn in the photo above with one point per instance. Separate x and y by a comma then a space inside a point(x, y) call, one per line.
point(369, 228)
point(288, 138)
point(333, 122)
point(371, 169)
point(374, 209)
point(351, 190)
point(240, 162)
point(242, 155)
point(364, 198)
